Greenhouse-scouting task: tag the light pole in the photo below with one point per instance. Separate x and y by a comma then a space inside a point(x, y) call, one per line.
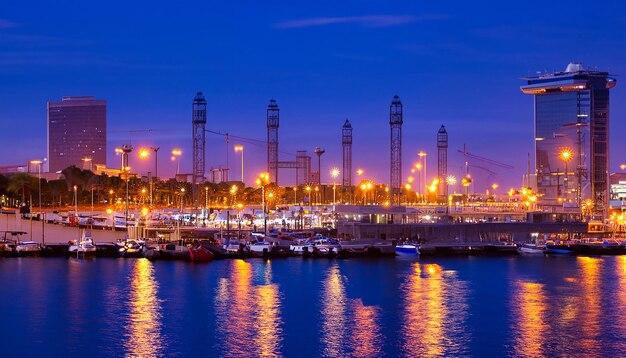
point(566, 155)
point(359, 172)
point(295, 195)
point(156, 171)
point(76, 209)
point(334, 173)
point(263, 179)
point(308, 190)
point(126, 150)
point(422, 155)
point(41, 214)
point(239, 148)
point(176, 153)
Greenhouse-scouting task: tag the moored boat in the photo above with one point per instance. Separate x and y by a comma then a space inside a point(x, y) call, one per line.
point(83, 247)
point(28, 248)
point(198, 253)
point(531, 249)
point(407, 249)
point(560, 248)
point(132, 249)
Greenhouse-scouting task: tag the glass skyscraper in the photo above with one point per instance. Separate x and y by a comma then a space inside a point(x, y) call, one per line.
point(572, 137)
point(76, 131)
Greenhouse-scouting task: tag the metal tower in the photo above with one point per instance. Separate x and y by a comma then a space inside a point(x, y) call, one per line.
point(272, 140)
point(198, 121)
point(319, 151)
point(395, 122)
point(442, 161)
point(346, 141)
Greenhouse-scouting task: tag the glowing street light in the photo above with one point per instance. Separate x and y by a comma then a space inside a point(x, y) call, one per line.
point(239, 148)
point(566, 155)
point(176, 153)
point(334, 173)
point(38, 163)
point(262, 180)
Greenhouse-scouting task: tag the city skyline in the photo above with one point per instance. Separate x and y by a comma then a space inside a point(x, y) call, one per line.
point(424, 56)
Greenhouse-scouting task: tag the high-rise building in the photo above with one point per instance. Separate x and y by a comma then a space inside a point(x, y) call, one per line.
point(76, 131)
point(572, 137)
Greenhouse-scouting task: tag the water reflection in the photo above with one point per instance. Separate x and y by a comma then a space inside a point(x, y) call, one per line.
point(248, 316)
point(349, 328)
point(435, 310)
point(333, 314)
point(620, 324)
point(366, 336)
point(143, 336)
point(589, 306)
point(529, 326)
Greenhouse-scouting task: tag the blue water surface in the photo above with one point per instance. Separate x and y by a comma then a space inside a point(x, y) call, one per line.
point(476, 306)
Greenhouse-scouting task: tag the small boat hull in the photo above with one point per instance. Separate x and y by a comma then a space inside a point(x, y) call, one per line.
point(200, 254)
point(407, 250)
point(530, 249)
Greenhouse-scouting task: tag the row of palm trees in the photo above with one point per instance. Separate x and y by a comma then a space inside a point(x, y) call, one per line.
point(22, 189)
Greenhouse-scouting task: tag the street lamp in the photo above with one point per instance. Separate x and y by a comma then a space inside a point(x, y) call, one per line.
point(422, 167)
point(176, 153)
point(295, 195)
point(239, 148)
point(334, 173)
point(566, 155)
point(262, 180)
point(41, 215)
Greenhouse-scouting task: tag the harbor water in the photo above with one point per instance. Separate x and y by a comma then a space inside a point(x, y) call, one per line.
point(476, 306)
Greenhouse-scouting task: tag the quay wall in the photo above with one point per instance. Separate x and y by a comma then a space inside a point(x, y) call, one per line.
point(451, 233)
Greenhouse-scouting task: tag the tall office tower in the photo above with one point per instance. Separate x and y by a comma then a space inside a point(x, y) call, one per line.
point(572, 137)
point(395, 122)
point(442, 161)
point(346, 142)
point(76, 131)
point(198, 128)
point(272, 140)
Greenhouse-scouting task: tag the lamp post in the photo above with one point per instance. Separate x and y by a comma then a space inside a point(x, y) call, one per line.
point(308, 190)
point(126, 150)
point(334, 173)
point(176, 153)
point(263, 179)
point(422, 156)
point(239, 148)
point(566, 155)
point(42, 216)
point(295, 193)
point(76, 209)
point(359, 172)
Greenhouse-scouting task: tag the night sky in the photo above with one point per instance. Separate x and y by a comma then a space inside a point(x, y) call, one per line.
point(452, 63)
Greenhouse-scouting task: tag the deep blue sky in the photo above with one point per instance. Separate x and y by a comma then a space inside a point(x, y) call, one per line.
point(452, 63)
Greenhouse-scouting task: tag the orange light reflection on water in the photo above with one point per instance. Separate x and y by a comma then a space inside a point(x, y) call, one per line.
point(434, 311)
point(334, 314)
point(529, 323)
point(366, 334)
point(589, 305)
point(143, 338)
point(248, 316)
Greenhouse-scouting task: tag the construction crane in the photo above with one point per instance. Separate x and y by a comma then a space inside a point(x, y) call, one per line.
point(486, 161)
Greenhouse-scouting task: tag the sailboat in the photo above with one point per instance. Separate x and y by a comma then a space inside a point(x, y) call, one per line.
point(84, 246)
